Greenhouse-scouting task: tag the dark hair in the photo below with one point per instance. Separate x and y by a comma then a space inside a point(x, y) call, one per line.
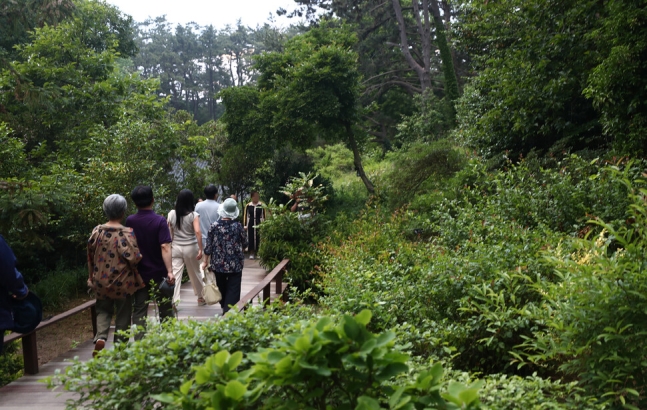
point(184, 205)
point(142, 196)
point(210, 191)
point(254, 193)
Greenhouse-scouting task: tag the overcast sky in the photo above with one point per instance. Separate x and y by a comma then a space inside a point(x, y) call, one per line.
point(205, 12)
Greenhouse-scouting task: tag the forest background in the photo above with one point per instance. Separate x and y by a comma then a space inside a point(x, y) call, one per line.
point(480, 172)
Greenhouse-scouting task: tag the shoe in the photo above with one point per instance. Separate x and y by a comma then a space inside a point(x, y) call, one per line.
point(98, 346)
point(251, 256)
point(201, 302)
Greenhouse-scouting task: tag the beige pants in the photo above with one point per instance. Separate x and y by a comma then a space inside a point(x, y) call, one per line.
point(186, 256)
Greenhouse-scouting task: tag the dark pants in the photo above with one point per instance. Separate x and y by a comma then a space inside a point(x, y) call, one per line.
point(141, 300)
point(253, 239)
point(229, 286)
point(121, 309)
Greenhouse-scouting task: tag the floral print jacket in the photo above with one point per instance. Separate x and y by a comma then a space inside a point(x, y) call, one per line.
point(226, 243)
point(113, 255)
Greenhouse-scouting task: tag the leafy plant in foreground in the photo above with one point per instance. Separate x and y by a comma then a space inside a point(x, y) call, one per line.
point(323, 365)
point(163, 359)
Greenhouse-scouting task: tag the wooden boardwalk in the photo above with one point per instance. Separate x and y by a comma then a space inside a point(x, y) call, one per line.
point(29, 392)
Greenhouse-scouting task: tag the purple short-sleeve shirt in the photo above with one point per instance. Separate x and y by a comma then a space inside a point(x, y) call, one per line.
point(151, 232)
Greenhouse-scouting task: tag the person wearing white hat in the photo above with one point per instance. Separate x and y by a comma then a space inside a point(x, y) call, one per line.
point(226, 243)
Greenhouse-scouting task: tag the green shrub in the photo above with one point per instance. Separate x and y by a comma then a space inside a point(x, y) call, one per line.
point(464, 303)
point(332, 161)
point(431, 121)
point(11, 364)
point(459, 275)
point(321, 365)
point(60, 286)
point(159, 363)
point(293, 235)
point(284, 235)
point(596, 316)
point(532, 392)
point(419, 168)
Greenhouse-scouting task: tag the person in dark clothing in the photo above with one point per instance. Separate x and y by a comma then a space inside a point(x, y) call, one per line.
point(12, 285)
point(253, 216)
point(154, 240)
point(226, 242)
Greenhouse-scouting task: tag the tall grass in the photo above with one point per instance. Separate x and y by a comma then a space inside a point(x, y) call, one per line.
point(61, 286)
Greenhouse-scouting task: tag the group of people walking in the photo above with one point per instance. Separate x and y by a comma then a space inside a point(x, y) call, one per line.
point(128, 263)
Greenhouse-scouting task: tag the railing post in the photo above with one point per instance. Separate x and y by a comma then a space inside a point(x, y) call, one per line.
point(279, 282)
point(30, 353)
point(266, 294)
point(93, 313)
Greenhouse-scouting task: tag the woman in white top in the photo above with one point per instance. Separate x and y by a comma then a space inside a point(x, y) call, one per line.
point(184, 224)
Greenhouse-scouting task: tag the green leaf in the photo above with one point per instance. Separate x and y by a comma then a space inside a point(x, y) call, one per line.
point(368, 346)
point(395, 397)
point(302, 344)
point(385, 338)
point(367, 403)
point(221, 358)
point(351, 329)
point(186, 387)
point(274, 356)
point(391, 370)
point(469, 396)
point(235, 390)
point(202, 375)
point(437, 372)
point(363, 317)
point(284, 364)
point(235, 360)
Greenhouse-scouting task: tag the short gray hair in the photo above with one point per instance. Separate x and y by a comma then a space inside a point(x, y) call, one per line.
point(114, 206)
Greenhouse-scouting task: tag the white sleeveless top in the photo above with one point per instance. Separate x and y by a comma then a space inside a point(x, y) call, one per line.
point(186, 235)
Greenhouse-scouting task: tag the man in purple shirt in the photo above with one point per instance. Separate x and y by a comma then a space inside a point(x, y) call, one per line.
point(154, 240)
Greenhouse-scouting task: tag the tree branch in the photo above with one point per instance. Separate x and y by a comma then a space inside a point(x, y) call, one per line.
point(380, 75)
point(404, 43)
point(412, 89)
point(366, 33)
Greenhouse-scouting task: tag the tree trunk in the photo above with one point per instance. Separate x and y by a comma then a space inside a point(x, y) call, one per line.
point(357, 160)
point(447, 14)
point(423, 76)
point(451, 83)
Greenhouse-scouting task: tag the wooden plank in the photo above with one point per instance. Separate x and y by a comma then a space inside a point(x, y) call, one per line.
point(259, 288)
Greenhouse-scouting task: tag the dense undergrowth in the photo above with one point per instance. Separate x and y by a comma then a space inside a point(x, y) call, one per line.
point(522, 286)
point(503, 273)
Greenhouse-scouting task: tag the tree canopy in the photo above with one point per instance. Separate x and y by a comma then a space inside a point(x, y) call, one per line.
point(309, 90)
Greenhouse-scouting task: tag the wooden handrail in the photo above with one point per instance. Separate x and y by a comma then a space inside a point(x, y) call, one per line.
point(264, 286)
point(29, 346)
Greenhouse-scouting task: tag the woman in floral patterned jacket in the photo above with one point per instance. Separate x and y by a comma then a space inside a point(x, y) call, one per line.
point(113, 255)
point(226, 242)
